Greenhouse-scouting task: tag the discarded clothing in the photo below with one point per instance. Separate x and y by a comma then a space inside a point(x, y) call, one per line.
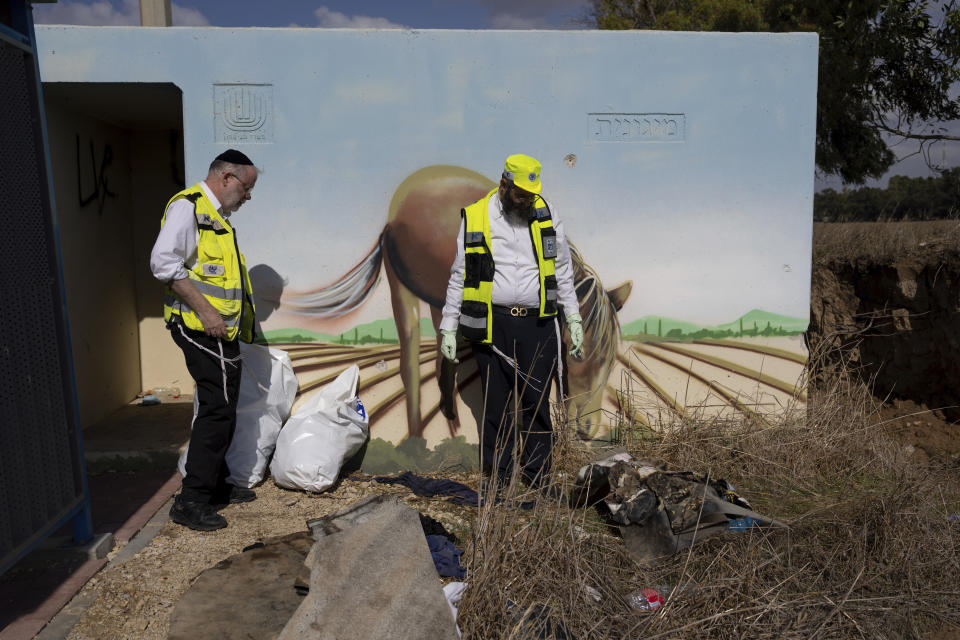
point(429, 487)
point(446, 557)
point(659, 511)
point(432, 527)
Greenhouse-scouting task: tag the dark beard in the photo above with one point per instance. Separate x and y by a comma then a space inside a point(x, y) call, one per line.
point(517, 213)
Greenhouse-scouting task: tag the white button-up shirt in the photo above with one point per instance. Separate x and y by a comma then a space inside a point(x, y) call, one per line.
point(516, 279)
point(175, 250)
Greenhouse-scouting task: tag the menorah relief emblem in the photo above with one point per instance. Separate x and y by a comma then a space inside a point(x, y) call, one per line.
point(243, 113)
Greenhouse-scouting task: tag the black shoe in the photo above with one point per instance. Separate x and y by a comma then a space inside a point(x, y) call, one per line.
point(198, 516)
point(230, 494)
point(241, 494)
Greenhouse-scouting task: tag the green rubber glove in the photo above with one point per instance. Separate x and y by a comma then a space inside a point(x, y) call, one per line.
point(448, 345)
point(575, 324)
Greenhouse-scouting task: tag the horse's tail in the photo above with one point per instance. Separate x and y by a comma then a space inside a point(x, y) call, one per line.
point(344, 295)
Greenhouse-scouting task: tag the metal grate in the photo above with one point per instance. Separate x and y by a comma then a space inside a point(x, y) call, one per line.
point(39, 460)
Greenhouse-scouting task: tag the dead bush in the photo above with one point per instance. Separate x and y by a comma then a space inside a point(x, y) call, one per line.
point(871, 551)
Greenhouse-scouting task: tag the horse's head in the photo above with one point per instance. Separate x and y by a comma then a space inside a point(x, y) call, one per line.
point(587, 379)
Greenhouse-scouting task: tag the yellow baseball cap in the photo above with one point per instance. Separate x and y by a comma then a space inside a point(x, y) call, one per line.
point(524, 171)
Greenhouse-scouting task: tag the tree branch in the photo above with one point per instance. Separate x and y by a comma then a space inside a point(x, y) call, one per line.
point(917, 136)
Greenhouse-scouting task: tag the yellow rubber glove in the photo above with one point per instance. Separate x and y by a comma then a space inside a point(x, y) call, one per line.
point(448, 345)
point(575, 324)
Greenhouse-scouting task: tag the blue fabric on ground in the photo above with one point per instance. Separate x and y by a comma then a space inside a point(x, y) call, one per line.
point(446, 557)
point(458, 492)
point(429, 487)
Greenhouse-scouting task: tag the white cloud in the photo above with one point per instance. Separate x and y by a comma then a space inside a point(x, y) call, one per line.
point(100, 13)
point(513, 21)
point(336, 20)
point(188, 17)
point(107, 13)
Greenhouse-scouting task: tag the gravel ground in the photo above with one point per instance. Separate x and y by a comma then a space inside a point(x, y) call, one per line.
point(135, 599)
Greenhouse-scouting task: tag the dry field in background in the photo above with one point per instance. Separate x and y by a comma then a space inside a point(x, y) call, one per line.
point(882, 242)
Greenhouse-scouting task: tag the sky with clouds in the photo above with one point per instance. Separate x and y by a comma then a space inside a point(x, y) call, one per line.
point(413, 14)
point(378, 14)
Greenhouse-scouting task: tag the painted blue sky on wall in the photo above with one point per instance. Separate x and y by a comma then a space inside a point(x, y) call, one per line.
point(709, 219)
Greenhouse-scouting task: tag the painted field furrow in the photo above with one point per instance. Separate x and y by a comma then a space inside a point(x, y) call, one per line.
point(716, 388)
point(748, 373)
point(377, 410)
point(756, 348)
point(629, 412)
point(661, 393)
point(355, 352)
point(760, 398)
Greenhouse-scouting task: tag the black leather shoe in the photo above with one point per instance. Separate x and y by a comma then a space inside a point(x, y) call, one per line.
point(229, 494)
point(196, 515)
point(241, 494)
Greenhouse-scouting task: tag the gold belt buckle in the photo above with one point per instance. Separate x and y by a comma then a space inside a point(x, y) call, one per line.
point(518, 311)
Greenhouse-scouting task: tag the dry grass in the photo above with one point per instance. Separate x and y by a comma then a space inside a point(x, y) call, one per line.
point(882, 241)
point(870, 552)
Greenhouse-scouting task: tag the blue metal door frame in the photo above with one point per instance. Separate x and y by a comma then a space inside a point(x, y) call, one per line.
point(69, 498)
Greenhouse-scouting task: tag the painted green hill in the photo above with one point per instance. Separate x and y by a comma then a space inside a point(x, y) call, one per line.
point(379, 330)
point(298, 335)
point(755, 321)
point(649, 325)
point(761, 318)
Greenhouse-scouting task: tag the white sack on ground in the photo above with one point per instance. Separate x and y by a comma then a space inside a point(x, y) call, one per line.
point(268, 388)
point(323, 434)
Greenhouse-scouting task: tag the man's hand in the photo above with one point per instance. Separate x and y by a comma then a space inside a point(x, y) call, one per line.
point(213, 324)
point(575, 324)
point(448, 345)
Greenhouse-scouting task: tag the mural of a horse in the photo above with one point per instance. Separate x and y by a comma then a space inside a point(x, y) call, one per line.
point(416, 249)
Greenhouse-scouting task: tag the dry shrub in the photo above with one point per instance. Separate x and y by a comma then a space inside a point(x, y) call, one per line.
point(870, 551)
point(882, 241)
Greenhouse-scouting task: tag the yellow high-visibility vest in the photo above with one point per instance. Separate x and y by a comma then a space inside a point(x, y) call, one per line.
point(220, 273)
point(476, 310)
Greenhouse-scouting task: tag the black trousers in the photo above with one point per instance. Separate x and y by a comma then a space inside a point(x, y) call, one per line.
point(218, 389)
point(532, 343)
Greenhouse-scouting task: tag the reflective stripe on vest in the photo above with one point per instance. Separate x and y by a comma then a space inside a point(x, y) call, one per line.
point(476, 310)
point(220, 274)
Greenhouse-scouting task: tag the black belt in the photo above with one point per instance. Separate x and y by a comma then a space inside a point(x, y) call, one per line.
point(516, 311)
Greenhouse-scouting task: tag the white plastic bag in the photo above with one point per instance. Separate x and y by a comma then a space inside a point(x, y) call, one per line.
point(268, 388)
point(323, 434)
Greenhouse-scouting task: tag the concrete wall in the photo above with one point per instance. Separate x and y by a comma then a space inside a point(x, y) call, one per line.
point(158, 174)
point(96, 239)
point(681, 163)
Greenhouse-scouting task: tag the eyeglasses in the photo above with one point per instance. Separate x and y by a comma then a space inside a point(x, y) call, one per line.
point(522, 197)
point(246, 189)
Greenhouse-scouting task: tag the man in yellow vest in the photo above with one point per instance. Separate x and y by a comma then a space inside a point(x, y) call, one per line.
point(208, 306)
point(511, 278)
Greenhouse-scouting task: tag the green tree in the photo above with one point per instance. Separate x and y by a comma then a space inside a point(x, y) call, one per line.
point(904, 198)
point(885, 70)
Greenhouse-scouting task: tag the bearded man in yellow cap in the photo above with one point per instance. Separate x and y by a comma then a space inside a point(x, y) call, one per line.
point(510, 283)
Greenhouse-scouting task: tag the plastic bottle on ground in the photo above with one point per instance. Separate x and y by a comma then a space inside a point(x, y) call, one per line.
point(646, 599)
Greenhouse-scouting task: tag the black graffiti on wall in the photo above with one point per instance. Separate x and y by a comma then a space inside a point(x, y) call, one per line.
point(101, 182)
